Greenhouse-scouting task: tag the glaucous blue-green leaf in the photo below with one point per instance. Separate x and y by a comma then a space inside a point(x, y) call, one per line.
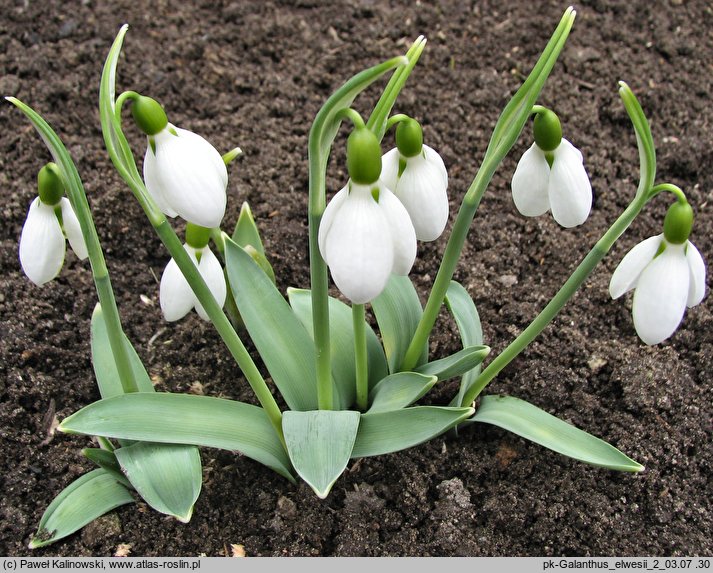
point(385, 432)
point(455, 364)
point(398, 311)
point(81, 502)
point(397, 391)
point(184, 419)
point(246, 232)
point(107, 461)
point(341, 344)
point(167, 476)
point(283, 343)
point(319, 444)
point(462, 307)
point(536, 425)
point(103, 360)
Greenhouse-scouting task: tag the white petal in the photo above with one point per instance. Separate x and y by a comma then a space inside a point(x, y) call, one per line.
point(402, 231)
point(660, 297)
point(390, 168)
point(434, 158)
point(697, 268)
point(634, 262)
point(153, 182)
point(42, 244)
point(569, 190)
point(72, 229)
point(422, 190)
point(192, 176)
point(212, 273)
point(176, 295)
point(328, 217)
point(359, 247)
point(529, 183)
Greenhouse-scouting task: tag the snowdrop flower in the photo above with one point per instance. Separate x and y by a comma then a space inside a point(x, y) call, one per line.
point(668, 274)
point(176, 296)
point(49, 219)
point(365, 233)
point(417, 176)
point(184, 174)
point(551, 176)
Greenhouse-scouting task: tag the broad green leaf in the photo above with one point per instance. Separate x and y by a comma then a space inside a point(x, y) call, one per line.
point(106, 461)
point(82, 501)
point(399, 390)
point(341, 343)
point(103, 360)
point(283, 343)
point(528, 421)
point(385, 432)
point(455, 364)
point(463, 309)
point(184, 419)
point(246, 232)
point(320, 444)
point(167, 476)
point(398, 311)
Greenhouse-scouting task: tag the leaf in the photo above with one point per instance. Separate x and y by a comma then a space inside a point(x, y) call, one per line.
point(184, 419)
point(341, 344)
point(81, 502)
point(528, 421)
point(398, 311)
point(280, 338)
point(246, 232)
point(385, 432)
point(462, 307)
point(399, 390)
point(319, 444)
point(103, 360)
point(167, 476)
point(106, 461)
point(455, 364)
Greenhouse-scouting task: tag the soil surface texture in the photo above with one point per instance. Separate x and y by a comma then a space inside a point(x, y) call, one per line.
point(254, 74)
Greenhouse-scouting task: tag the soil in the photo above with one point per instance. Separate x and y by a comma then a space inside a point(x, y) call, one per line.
point(254, 74)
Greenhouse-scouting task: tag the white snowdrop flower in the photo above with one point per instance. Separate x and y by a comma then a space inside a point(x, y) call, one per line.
point(667, 277)
point(184, 174)
point(551, 176)
point(42, 242)
point(176, 296)
point(417, 176)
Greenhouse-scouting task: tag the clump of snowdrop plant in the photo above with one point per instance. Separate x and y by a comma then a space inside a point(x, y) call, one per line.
point(348, 392)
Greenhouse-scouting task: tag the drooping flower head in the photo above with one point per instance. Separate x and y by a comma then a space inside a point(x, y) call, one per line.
point(176, 295)
point(551, 176)
point(49, 219)
point(417, 176)
point(365, 233)
point(668, 274)
point(184, 174)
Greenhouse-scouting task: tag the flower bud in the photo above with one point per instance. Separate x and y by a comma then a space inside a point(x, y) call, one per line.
point(678, 223)
point(547, 130)
point(409, 138)
point(363, 156)
point(49, 184)
point(148, 115)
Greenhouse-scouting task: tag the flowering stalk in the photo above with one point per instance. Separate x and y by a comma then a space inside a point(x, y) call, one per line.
point(122, 158)
point(506, 132)
point(78, 199)
point(600, 249)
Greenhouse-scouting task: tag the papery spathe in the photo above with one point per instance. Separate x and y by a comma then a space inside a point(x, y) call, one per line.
point(421, 188)
point(666, 283)
point(364, 236)
point(186, 176)
point(564, 188)
point(176, 295)
point(42, 242)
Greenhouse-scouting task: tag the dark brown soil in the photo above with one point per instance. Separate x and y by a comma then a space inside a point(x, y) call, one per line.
point(254, 74)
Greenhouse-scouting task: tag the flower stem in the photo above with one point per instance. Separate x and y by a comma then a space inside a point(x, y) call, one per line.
point(680, 195)
point(360, 357)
